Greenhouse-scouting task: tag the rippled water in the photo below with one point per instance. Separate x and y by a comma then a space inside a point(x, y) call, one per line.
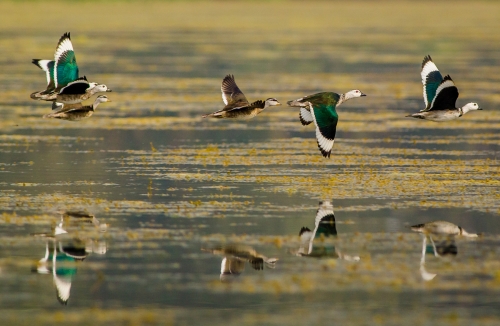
point(147, 213)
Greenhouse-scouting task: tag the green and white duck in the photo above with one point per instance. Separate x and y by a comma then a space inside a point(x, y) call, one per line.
point(60, 72)
point(237, 105)
point(320, 108)
point(78, 91)
point(440, 96)
point(75, 112)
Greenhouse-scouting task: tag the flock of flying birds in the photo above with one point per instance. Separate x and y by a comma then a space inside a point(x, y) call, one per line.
point(66, 90)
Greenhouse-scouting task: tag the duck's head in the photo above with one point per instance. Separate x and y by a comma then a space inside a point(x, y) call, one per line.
point(272, 102)
point(102, 99)
point(470, 107)
point(101, 88)
point(354, 93)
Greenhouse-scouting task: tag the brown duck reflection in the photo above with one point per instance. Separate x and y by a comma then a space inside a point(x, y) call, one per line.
point(311, 242)
point(63, 251)
point(236, 256)
point(444, 233)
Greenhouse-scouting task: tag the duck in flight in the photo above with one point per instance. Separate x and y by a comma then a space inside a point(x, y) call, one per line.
point(75, 112)
point(320, 108)
point(440, 96)
point(78, 91)
point(60, 71)
point(237, 105)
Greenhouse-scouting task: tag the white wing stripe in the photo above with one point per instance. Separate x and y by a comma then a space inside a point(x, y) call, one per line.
point(44, 64)
point(447, 83)
point(224, 98)
point(324, 143)
point(426, 70)
point(324, 210)
point(64, 46)
point(306, 115)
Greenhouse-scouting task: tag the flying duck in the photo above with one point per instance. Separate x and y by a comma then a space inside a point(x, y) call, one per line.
point(75, 112)
point(78, 91)
point(237, 105)
point(320, 108)
point(440, 95)
point(61, 71)
point(441, 228)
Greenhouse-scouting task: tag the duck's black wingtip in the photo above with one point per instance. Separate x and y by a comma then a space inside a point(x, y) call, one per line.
point(304, 229)
point(326, 154)
point(427, 58)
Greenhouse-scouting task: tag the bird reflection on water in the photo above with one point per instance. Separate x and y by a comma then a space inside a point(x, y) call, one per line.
point(64, 251)
point(311, 242)
point(235, 258)
point(445, 244)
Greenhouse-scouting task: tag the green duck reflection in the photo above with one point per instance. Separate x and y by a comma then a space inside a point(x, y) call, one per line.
point(235, 258)
point(64, 251)
point(312, 243)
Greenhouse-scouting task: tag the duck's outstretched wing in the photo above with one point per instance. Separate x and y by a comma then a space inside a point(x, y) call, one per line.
point(66, 68)
point(446, 95)
point(48, 67)
point(325, 118)
point(305, 116)
point(231, 94)
point(431, 79)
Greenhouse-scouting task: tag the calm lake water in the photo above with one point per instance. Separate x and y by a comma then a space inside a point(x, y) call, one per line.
point(148, 214)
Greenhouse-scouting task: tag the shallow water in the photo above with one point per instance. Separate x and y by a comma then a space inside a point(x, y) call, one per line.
point(154, 200)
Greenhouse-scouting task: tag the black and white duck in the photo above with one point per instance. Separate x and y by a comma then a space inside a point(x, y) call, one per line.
point(440, 96)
